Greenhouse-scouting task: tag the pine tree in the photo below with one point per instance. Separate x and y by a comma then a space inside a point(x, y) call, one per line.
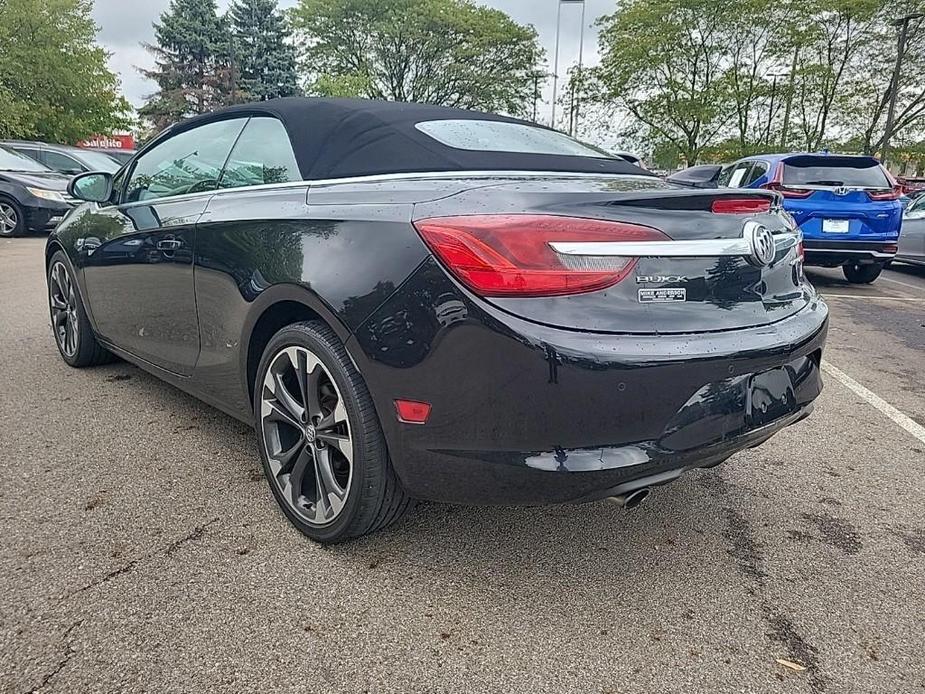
point(264, 58)
point(193, 69)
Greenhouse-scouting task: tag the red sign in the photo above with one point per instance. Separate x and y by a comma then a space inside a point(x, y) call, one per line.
point(109, 142)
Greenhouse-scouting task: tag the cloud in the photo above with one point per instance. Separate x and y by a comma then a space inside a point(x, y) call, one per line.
point(124, 25)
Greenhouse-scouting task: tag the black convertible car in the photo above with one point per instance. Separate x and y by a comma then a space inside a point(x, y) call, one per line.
point(411, 301)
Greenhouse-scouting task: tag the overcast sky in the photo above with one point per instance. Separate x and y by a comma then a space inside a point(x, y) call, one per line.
point(124, 24)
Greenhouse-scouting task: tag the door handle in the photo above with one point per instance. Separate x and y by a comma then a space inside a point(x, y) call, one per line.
point(169, 245)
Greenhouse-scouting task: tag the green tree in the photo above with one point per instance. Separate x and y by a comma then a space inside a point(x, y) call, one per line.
point(192, 63)
point(862, 104)
point(54, 81)
point(449, 52)
point(664, 62)
point(264, 58)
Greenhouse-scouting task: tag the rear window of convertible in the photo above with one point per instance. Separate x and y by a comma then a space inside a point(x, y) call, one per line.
point(499, 136)
point(861, 172)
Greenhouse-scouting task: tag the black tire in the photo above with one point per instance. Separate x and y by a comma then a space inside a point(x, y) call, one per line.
point(80, 348)
point(374, 496)
point(862, 274)
point(9, 207)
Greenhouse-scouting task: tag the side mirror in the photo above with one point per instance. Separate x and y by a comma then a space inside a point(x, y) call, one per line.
point(93, 186)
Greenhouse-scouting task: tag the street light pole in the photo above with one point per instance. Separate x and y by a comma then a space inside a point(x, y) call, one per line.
point(555, 68)
point(580, 75)
point(903, 25)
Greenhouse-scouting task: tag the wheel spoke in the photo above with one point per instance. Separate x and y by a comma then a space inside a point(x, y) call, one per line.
point(297, 477)
point(287, 458)
point(313, 390)
point(57, 302)
point(339, 441)
point(278, 413)
point(286, 399)
point(336, 417)
point(330, 494)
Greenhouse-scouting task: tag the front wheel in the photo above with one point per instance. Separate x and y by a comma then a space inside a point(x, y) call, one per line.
point(862, 274)
point(319, 438)
point(12, 219)
point(73, 333)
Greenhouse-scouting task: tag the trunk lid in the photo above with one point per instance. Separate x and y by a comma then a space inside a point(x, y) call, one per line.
point(665, 292)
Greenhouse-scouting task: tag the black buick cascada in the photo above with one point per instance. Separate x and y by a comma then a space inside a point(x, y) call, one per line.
point(415, 302)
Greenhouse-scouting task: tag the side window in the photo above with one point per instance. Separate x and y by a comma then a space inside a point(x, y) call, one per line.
point(62, 162)
point(29, 152)
point(758, 170)
point(737, 175)
point(189, 162)
point(261, 155)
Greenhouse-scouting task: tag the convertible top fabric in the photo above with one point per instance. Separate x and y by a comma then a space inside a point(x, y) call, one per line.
point(339, 138)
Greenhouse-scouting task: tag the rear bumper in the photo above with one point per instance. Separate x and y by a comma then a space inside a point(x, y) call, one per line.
point(831, 253)
point(524, 413)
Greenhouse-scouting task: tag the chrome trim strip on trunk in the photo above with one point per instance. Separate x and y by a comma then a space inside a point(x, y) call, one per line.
point(673, 249)
point(701, 248)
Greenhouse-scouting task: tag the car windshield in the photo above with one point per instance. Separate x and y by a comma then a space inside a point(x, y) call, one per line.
point(860, 172)
point(11, 161)
point(97, 161)
point(500, 136)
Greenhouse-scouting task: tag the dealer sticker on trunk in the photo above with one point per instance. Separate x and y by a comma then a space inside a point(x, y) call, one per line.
point(662, 296)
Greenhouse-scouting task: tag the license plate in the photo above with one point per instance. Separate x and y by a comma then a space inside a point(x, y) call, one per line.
point(662, 296)
point(835, 226)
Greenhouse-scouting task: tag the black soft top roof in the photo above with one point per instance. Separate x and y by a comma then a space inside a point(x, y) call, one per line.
point(338, 138)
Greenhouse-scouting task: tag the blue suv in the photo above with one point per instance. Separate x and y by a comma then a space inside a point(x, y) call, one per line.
point(847, 206)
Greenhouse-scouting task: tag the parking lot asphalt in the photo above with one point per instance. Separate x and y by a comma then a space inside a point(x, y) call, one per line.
point(142, 550)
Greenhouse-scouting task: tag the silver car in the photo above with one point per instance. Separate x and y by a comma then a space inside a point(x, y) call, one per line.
point(912, 238)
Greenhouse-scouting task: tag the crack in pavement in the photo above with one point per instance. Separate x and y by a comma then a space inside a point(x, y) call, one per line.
point(166, 551)
point(69, 653)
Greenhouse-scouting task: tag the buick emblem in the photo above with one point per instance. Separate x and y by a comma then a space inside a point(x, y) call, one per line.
point(761, 243)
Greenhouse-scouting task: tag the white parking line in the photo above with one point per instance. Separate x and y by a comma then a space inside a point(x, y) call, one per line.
point(902, 284)
point(906, 422)
point(827, 295)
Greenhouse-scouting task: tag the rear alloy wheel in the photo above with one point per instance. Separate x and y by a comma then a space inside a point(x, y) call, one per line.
point(12, 219)
point(320, 441)
point(73, 334)
point(862, 274)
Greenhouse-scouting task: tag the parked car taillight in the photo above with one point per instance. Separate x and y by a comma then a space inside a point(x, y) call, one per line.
point(786, 191)
point(893, 194)
point(510, 254)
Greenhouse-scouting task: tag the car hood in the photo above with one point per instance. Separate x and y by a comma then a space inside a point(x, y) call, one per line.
point(37, 179)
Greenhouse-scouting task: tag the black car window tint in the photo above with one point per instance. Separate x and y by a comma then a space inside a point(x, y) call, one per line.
point(61, 162)
point(189, 162)
point(726, 175)
point(758, 170)
point(262, 155)
point(739, 175)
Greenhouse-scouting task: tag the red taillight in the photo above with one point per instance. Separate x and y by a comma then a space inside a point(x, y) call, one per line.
point(890, 248)
point(787, 192)
point(510, 254)
point(412, 411)
point(893, 194)
point(741, 205)
point(801, 251)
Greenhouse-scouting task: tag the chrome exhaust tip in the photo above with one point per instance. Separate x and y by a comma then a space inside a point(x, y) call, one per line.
point(632, 499)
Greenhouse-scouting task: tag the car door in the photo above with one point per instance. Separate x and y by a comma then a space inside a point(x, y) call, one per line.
point(912, 236)
point(137, 253)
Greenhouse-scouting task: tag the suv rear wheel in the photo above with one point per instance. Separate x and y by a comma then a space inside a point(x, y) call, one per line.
point(862, 274)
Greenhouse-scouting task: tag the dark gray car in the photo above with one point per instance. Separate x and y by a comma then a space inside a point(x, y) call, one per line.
point(64, 159)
